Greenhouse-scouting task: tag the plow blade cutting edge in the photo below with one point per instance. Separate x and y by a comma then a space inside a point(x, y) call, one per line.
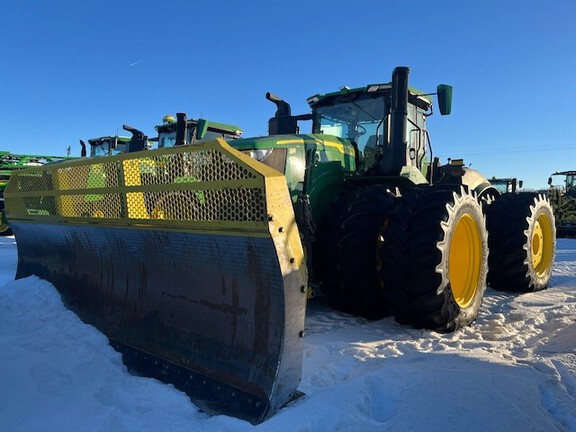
point(188, 259)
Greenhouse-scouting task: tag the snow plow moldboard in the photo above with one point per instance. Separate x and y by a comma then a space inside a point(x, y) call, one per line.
point(187, 258)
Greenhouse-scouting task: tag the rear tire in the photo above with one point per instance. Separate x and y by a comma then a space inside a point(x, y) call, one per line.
point(352, 285)
point(435, 259)
point(522, 240)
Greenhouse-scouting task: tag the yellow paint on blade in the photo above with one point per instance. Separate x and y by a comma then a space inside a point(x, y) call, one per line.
point(134, 200)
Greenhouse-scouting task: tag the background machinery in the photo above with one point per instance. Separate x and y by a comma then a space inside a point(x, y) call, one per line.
point(107, 146)
point(197, 131)
point(506, 184)
point(200, 259)
point(9, 162)
point(194, 132)
point(563, 200)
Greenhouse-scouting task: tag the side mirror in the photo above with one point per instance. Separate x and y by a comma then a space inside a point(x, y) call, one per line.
point(549, 181)
point(201, 129)
point(444, 93)
point(520, 183)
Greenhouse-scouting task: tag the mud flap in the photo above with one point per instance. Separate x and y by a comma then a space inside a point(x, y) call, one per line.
point(214, 307)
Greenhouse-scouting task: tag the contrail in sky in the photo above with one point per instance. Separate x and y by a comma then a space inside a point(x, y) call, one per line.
point(135, 63)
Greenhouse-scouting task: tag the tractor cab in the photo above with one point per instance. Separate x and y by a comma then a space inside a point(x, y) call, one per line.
point(371, 117)
point(568, 185)
point(571, 184)
point(506, 185)
point(386, 128)
point(108, 145)
point(172, 133)
point(114, 145)
point(562, 195)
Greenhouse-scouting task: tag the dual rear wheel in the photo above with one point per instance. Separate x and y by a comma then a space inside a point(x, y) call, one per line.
point(435, 259)
point(423, 256)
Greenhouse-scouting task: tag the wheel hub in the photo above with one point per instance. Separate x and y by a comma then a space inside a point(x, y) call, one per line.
point(542, 244)
point(537, 244)
point(465, 261)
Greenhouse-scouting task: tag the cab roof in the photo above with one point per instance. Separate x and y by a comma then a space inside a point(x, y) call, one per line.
point(415, 96)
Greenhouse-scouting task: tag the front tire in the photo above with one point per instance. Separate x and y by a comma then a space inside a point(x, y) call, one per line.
point(522, 242)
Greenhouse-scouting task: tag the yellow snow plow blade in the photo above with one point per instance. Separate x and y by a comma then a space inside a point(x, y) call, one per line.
point(187, 258)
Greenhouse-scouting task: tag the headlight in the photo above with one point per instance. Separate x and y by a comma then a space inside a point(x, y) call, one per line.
point(259, 155)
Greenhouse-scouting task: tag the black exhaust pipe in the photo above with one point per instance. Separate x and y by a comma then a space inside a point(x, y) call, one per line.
point(181, 128)
point(137, 142)
point(398, 120)
point(283, 121)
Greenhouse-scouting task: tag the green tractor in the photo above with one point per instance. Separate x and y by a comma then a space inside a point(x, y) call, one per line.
point(9, 162)
point(506, 184)
point(193, 132)
point(241, 233)
point(107, 146)
point(197, 131)
point(563, 199)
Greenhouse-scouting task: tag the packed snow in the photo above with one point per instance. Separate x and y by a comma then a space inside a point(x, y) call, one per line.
point(514, 369)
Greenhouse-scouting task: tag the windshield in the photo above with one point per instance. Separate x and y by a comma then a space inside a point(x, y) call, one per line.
point(502, 186)
point(166, 139)
point(101, 149)
point(107, 148)
point(355, 119)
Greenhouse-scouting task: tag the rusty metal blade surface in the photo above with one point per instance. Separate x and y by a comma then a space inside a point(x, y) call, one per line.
point(212, 314)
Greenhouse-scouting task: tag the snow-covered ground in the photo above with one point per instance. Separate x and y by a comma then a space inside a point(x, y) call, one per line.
point(514, 369)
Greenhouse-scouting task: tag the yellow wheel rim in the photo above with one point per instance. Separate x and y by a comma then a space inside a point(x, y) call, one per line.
point(542, 245)
point(465, 261)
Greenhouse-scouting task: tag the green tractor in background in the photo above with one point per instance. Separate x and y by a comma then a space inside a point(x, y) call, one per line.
point(9, 162)
point(193, 131)
point(197, 131)
point(201, 258)
point(563, 200)
point(107, 146)
point(506, 184)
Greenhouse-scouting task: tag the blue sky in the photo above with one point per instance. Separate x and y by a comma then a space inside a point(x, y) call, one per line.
point(82, 69)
